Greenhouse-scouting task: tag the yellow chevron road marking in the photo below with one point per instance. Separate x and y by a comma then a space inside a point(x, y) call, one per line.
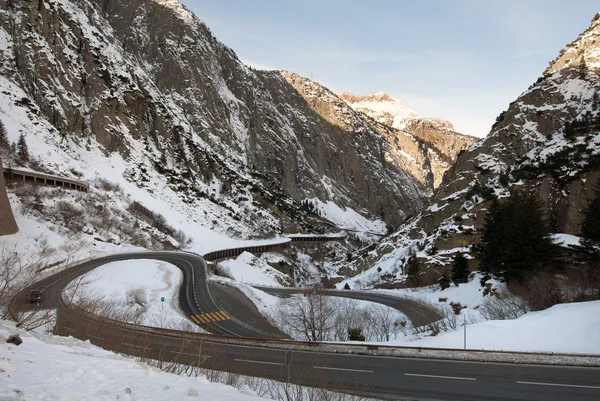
point(210, 317)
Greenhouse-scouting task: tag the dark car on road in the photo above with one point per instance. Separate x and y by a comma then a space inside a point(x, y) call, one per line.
point(34, 297)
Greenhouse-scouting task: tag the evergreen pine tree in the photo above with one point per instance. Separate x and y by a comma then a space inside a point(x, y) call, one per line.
point(356, 334)
point(460, 269)
point(591, 224)
point(444, 281)
point(515, 238)
point(3, 136)
point(413, 270)
point(22, 149)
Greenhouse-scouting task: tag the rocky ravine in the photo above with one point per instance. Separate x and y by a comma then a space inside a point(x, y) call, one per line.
point(147, 80)
point(533, 146)
point(427, 146)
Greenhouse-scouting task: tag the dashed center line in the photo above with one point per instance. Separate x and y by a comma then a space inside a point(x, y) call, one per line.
point(261, 362)
point(560, 385)
point(440, 377)
point(343, 369)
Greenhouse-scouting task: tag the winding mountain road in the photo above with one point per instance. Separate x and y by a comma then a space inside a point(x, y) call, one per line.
point(347, 368)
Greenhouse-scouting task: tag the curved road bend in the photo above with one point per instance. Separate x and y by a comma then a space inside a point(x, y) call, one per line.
point(387, 377)
point(195, 299)
point(418, 313)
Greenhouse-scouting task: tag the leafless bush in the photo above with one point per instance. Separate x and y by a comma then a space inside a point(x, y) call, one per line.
point(182, 238)
point(540, 290)
point(323, 318)
point(71, 215)
point(219, 270)
point(503, 306)
point(581, 282)
point(310, 318)
point(30, 197)
point(108, 186)
point(17, 271)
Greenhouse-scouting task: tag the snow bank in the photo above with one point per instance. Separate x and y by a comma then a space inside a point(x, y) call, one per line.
point(249, 269)
point(565, 328)
point(141, 284)
point(47, 368)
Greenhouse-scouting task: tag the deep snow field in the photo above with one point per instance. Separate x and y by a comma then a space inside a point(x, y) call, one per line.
point(64, 369)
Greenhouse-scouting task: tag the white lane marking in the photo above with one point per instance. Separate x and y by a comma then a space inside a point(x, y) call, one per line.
point(560, 385)
point(136, 346)
point(345, 370)
point(440, 377)
point(187, 353)
point(261, 362)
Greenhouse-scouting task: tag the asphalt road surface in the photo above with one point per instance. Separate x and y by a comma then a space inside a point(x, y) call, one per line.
point(419, 314)
point(387, 377)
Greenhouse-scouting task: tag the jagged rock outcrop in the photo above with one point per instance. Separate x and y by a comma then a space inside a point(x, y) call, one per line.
point(427, 146)
point(8, 225)
point(147, 79)
point(547, 142)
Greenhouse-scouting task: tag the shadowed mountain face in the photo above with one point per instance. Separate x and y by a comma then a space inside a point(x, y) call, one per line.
point(148, 80)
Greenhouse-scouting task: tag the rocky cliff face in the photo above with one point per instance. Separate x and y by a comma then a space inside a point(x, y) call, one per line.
point(147, 80)
point(548, 142)
point(427, 146)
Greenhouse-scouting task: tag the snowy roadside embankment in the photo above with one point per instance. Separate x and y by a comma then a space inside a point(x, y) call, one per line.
point(249, 269)
point(146, 288)
point(564, 328)
point(56, 368)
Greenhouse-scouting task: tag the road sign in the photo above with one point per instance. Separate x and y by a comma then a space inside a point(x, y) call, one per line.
point(162, 299)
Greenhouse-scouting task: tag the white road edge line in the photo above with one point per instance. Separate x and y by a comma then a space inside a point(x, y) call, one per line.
point(560, 385)
point(342, 369)
point(262, 362)
point(440, 377)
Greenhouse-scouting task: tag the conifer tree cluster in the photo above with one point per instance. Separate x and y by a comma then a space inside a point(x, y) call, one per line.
point(460, 269)
point(3, 136)
point(515, 239)
point(591, 224)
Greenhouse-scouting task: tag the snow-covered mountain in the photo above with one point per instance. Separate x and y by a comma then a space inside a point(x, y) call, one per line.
point(184, 114)
point(429, 146)
point(384, 108)
point(547, 141)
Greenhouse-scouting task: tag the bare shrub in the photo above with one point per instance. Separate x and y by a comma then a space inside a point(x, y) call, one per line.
point(310, 317)
point(581, 282)
point(71, 215)
point(503, 306)
point(539, 289)
point(108, 186)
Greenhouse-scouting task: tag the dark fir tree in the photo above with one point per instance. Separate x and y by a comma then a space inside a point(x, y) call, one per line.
point(356, 334)
point(22, 148)
point(444, 281)
point(3, 136)
point(460, 269)
point(515, 239)
point(413, 270)
point(590, 229)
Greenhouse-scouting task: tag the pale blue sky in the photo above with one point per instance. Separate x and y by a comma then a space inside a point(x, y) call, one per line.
point(462, 60)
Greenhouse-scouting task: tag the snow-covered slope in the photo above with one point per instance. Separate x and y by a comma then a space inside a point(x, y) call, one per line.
point(547, 141)
point(182, 110)
point(61, 369)
point(384, 108)
point(426, 146)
